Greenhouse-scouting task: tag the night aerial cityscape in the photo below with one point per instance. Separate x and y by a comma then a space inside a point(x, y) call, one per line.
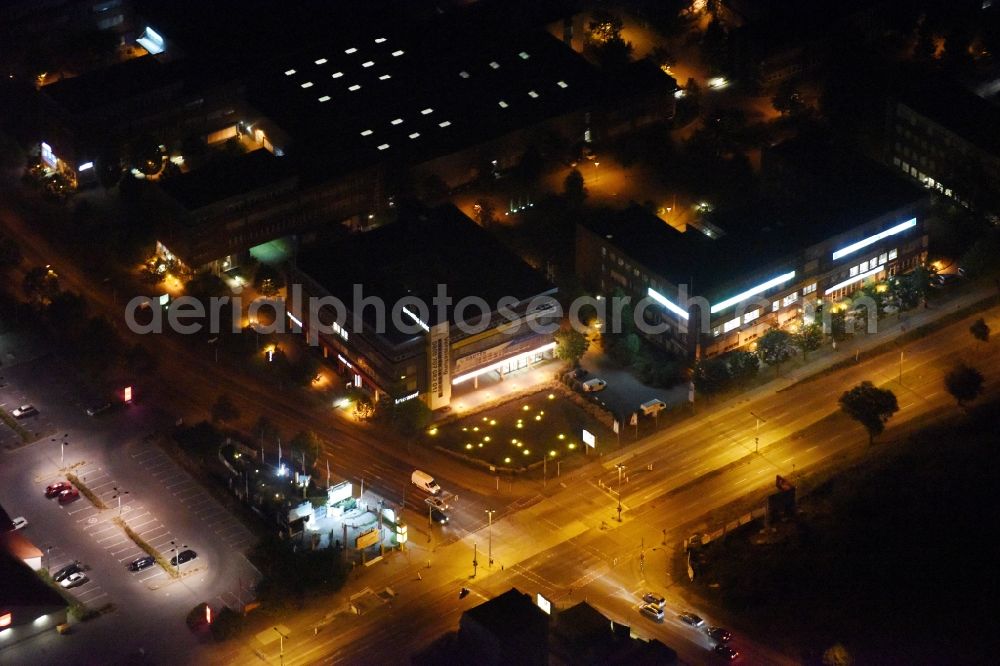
point(499, 332)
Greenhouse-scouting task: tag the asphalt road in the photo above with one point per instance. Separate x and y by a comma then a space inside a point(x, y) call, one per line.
point(568, 545)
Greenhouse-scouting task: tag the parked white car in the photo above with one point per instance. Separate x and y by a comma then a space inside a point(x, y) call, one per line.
point(595, 384)
point(20, 522)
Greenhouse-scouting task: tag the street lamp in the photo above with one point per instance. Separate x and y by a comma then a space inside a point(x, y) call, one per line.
point(281, 645)
point(597, 172)
point(62, 446)
point(489, 512)
point(756, 431)
point(118, 496)
point(620, 467)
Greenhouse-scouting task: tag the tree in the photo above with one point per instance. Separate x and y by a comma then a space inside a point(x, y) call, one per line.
point(711, 376)
point(809, 338)
point(920, 279)
point(485, 212)
point(787, 99)
point(663, 57)
point(743, 366)
point(573, 188)
point(10, 253)
point(604, 27)
point(41, 284)
point(980, 330)
point(206, 285)
point(774, 348)
point(146, 155)
point(224, 411)
point(306, 440)
point(964, 383)
point(267, 280)
point(870, 406)
point(571, 345)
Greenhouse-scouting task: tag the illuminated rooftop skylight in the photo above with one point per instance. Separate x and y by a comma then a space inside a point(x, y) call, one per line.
point(351, 50)
point(307, 84)
point(354, 87)
point(367, 132)
point(321, 61)
point(503, 104)
point(324, 98)
point(289, 72)
point(397, 121)
point(426, 111)
point(396, 54)
point(383, 146)
point(444, 123)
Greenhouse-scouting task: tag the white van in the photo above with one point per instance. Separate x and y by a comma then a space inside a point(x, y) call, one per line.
point(651, 407)
point(425, 481)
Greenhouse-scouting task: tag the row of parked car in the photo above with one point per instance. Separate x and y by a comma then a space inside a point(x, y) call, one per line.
point(654, 607)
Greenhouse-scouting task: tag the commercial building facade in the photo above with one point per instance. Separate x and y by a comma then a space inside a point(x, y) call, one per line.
point(497, 321)
point(708, 291)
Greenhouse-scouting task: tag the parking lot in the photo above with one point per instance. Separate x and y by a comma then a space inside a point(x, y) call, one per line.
point(110, 454)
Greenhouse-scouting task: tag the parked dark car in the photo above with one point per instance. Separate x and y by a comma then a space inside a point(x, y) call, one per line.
point(141, 563)
point(439, 516)
point(65, 572)
point(182, 557)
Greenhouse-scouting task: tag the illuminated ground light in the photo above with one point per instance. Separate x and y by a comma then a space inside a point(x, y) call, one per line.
point(506, 460)
point(542, 412)
point(468, 446)
point(538, 417)
point(562, 436)
point(519, 444)
point(520, 425)
point(493, 421)
point(485, 419)
point(526, 451)
point(480, 445)
point(526, 408)
point(514, 441)
point(552, 453)
point(552, 396)
point(486, 439)
point(571, 445)
point(464, 429)
point(432, 431)
point(475, 428)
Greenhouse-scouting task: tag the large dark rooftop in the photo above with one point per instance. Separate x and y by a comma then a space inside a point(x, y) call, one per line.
point(412, 256)
point(112, 85)
point(226, 178)
point(955, 107)
point(22, 587)
point(420, 93)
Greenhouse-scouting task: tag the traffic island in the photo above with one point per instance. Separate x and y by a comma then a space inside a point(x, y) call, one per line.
point(139, 541)
point(87, 492)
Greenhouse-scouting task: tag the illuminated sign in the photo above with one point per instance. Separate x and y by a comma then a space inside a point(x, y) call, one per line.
point(856, 278)
point(499, 364)
point(589, 439)
point(48, 156)
point(408, 397)
point(544, 604)
point(892, 231)
point(208, 614)
point(151, 41)
point(127, 394)
point(5, 620)
point(749, 293)
point(420, 322)
point(667, 303)
point(85, 166)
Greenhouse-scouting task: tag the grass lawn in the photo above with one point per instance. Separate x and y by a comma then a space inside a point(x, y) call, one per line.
point(888, 558)
point(519, 433)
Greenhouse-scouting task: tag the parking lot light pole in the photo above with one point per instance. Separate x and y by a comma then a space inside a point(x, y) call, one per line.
point(281, 645)
point(174, 547)
point(118, 496)
point(489, 512)
point(620, 467)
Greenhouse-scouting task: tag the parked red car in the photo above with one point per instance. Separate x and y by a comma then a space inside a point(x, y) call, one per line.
point(69, 495)
point(56, 488)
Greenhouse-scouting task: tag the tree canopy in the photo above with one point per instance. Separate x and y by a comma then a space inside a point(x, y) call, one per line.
point(571, 345)
point(775, 347)
point(964, 383)
point(870, 406)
